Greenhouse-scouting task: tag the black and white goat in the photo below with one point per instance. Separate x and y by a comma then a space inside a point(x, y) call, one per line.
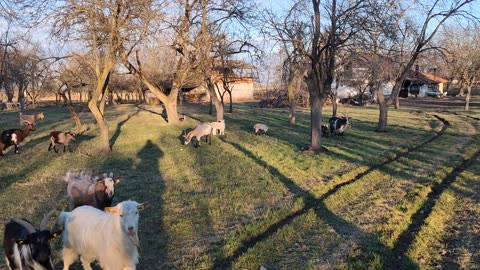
point(28, 248)
point(62, 138)
point(11, 137)
point(338, 125)
point(85, 189)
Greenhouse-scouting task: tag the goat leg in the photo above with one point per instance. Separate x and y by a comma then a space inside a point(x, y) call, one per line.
point(16, 149)
point(50, 147)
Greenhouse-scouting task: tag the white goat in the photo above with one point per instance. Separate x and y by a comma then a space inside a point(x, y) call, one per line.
point(110, 237)
point(201, 130)
point(218, 127)
point(260, 127)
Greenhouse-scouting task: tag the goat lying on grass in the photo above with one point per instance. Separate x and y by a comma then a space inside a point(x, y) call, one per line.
point(30, 119)
point(27, 248)
point(14, 137)
point(85, 189)
point(339, 125)
point(62, 138)
point(111, 237)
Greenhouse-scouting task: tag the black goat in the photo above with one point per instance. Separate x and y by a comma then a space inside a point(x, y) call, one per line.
point(60, 137)
point(14, 137)
point(27, 248)
point(338, 125)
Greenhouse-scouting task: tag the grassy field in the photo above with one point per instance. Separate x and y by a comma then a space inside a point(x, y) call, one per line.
point(405, 199)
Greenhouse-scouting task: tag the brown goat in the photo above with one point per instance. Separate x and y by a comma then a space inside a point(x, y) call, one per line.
point(60, 137)
point(14, 137)
point(30, 119)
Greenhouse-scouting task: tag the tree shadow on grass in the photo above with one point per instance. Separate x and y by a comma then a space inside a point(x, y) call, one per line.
point(118, 130)
point(340, 225)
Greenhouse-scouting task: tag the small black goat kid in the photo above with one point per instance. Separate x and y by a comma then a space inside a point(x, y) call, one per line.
point(27, 248)
point(14, 137)
point(62, 138)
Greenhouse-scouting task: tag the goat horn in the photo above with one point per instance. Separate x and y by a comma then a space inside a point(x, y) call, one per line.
point(29, 227)
point(44, 223)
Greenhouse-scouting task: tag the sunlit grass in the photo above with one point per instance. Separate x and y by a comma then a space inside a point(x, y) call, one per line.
point(207, 202)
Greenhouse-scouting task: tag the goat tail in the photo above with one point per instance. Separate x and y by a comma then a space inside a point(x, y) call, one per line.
point(62, 218)
point(68, 177)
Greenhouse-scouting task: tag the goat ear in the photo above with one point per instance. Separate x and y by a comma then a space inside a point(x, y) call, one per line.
point(56, 234)
point(117, 180)
point(22, 242)
point(111, 210)
point(143, 206)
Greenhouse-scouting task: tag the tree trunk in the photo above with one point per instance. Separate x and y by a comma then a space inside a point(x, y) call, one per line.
point(315, 121)
point(462, 89)
point(210, 110)
point(397, 101)
point(103, 100)
point(213, 95)
point(383, 116)
point(101, 87)
point(172, 112)
point(467, 98)
point(334, 105)
point(231, 102)
point(219, 108)
point(291, 101)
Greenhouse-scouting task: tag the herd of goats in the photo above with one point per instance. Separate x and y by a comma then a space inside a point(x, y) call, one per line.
point(94, 230)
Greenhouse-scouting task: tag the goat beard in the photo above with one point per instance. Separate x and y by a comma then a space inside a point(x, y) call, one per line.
point(134, 238)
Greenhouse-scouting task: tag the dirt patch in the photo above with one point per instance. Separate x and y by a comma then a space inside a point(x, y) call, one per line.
point(443, 103)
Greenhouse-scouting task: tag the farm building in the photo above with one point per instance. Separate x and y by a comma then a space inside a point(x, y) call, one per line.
point(234, 74)
point(423, 84)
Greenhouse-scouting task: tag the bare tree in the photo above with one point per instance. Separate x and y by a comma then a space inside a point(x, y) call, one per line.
point(290, 32)
point(468, 61)
point(98, 25)
point(340, 26)
point(217, 38)
point(413, 40)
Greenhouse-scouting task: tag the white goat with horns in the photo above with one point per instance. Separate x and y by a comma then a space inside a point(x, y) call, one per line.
point(111, 237)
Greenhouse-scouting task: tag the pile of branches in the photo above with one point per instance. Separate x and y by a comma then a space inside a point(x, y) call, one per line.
point(278, 98)
point(274, 99)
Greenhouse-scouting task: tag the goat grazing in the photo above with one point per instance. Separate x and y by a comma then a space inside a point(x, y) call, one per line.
point(111, 237)
point(260, 128)
point(62, 138)
point(30, 119)
point(199, 131)
point(11, 137)
point(325, 130)
point(85, 189)
point(27, 248)
point(338, 125)
point(218, 127)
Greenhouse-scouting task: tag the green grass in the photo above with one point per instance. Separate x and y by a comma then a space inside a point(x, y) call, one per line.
point(208, 203)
